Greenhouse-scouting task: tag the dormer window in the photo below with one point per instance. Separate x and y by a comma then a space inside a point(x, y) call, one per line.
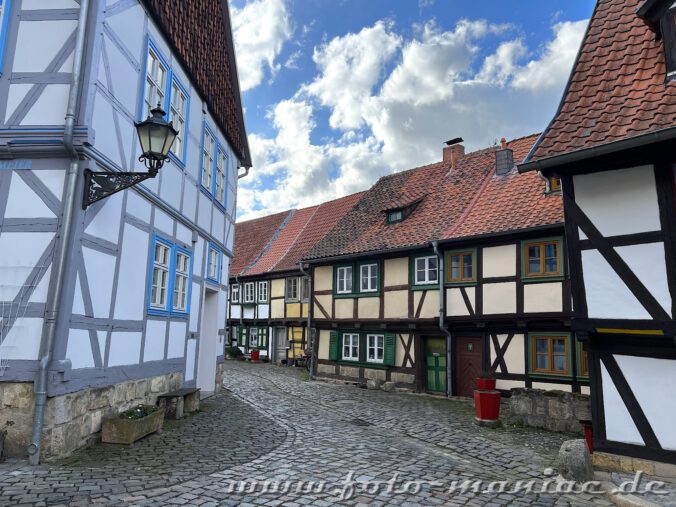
point(660, 16)
point(395, 216)
point(668, 29)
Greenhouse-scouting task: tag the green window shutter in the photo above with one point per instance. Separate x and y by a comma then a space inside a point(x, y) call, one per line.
point(239, 335)
point(263, 333)
point(390, 349)
point(333, 346)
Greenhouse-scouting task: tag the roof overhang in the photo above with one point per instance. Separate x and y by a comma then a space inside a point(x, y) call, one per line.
point(651, 11)
point(563, 159)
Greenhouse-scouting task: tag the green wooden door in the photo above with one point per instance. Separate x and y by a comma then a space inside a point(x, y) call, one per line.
point(435, 365)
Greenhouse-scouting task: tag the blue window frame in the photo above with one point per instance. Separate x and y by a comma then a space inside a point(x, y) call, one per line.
point(214, 263)
point(214, 167)
point(162, 87)
point(179, 113)
point(5, 7)
point(169, 279)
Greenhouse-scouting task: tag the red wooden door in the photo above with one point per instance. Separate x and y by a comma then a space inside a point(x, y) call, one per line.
point(468, 364)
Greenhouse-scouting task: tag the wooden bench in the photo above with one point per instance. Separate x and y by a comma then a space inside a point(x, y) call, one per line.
point(180, 401)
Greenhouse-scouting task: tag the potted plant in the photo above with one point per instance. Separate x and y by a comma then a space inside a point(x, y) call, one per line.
point(486, 381)
point(132, 425)
point(487, 401)
point(3, 435)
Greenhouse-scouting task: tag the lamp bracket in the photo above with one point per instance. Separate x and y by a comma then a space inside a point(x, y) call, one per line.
point(99, 185)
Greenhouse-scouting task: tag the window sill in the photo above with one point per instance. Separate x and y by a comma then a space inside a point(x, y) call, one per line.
point(563, 376)
point(461, 284)
point(429, 286)
point(357, 295)
point(543, 279)
point(375, 366)
point(166, 313)
point(174, 158)
point(213, 280)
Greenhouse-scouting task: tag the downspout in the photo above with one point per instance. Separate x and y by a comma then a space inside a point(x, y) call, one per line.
point(244, 174)
point(442, 317)
point(70, 208)
point(313, 342)
point(241, 308)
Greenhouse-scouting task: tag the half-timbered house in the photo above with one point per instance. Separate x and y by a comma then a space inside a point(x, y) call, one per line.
point(612, 143)
point(270, 291)
point(114, 302)
point(470, 228)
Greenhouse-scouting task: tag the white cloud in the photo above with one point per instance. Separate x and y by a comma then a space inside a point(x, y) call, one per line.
point(260, 29)
point(554, 64)
point(350, 66)
point(393, 101)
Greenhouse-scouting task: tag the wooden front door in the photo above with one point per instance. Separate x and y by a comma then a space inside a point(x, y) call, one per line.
point(468, 364)
point(435, 365)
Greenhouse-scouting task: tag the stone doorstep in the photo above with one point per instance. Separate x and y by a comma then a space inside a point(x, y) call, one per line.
point(620, 499)
point(618, 463)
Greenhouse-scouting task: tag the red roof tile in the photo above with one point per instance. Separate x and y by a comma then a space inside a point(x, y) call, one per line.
point(201, 36)
point(452, 206)
point(509, 202)
point(251, 239)
point(295, 237)
point(617, 89)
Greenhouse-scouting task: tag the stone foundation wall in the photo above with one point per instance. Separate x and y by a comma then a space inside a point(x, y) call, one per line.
point(362, 374)
point(552, 410)
point(74, 420)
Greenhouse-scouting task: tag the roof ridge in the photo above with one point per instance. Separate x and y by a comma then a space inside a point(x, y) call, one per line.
point(267, 246)
point(296, 238)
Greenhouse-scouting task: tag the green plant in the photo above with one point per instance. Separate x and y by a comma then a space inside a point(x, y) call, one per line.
point(233, 352)
point(138, 412)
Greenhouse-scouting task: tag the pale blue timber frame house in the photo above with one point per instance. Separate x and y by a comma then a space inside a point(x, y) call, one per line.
point(142, 305)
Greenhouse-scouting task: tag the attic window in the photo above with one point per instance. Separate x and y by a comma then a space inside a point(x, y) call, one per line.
point(554, 184)
point(668, 29)
point(395, 216)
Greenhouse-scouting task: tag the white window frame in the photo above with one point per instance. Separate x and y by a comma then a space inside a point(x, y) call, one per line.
point(371, 277)
point(344, 270)
point(372, 344)
point(263, 291)
point(221, 164)
point(305, 288)
point(181, 280)
point(426, 280)
point(159, 291)
point(154, 89)
point(353, 339)
point(291, 282)
point(234, 293)
point(249, 292)
point(178, 114)
point(213, 267)
point(208, 148)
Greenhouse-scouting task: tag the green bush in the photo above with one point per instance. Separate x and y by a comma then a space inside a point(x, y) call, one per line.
point(233, 352)
point(138, 412)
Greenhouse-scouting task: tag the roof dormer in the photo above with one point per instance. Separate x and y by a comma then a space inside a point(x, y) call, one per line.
point(660, 16)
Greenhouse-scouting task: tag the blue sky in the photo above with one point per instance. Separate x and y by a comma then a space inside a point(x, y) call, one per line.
point(338, 93)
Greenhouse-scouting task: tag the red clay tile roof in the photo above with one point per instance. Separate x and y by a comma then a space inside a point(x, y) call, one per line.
point(201, 35)
point(261, 251)
point(617, 89)
point(509, 202)
point(444, 211)
point(251, 239)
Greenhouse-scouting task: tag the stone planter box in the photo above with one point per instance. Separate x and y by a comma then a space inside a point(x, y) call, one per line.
point(116, 430)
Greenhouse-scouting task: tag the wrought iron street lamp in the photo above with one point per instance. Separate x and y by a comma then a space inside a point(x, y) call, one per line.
point(156, 136)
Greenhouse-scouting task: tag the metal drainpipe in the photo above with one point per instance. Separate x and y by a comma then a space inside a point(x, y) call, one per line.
point(63, 242)
point(442, 317)
point(315, 342)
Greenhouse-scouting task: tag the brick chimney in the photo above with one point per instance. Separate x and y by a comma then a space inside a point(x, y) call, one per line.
point(504, 159)
point(454, 154)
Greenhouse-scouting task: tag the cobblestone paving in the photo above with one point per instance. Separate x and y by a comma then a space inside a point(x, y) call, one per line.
point(275, 426)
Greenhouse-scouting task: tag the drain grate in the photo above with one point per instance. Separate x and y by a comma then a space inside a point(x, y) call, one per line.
point(359, 422)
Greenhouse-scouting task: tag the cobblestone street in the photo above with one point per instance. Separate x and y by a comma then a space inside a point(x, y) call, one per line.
point(273, 424)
